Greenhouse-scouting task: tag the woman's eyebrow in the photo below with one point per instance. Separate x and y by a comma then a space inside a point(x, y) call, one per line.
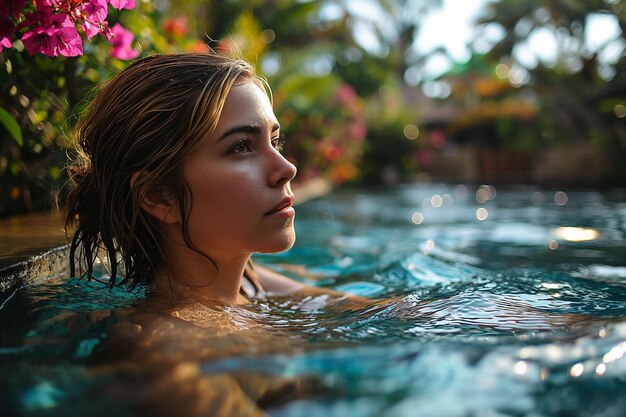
point(252, 129)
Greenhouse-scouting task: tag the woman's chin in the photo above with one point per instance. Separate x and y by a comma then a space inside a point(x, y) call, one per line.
point(279, 244)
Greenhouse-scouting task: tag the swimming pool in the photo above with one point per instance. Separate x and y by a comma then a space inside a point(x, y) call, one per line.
point(504, 302)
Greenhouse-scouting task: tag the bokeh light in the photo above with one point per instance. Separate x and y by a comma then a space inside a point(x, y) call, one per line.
point(560, 198)
point(428, 247)
point(411, 132)
point(576, 370)
point(417, 218)
point(485, 193)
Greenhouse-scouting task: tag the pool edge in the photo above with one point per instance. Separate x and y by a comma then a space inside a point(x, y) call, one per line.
point(44, 265)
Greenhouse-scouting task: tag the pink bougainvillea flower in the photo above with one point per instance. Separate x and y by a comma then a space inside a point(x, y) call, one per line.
point(47, 4)
point(70, 43)
point(123, 4)
point(6, 34)
point(93, 15)
point(53, 42)
point(58, 21)
point(36, 40)
point(91, 29)
point(55, 35)
point(44, 17)
point(120, 43)
point(106, 31)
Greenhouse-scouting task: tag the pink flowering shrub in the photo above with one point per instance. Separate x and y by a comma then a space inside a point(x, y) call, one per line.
point(121, 43)
point(325, 130)
point(52, 27)
point(52, 54)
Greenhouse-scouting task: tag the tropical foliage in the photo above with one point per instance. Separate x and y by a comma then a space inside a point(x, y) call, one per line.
point(342, 73)
point(51, 27)
point(38, 93)
point(44, 84)
point(578, 89)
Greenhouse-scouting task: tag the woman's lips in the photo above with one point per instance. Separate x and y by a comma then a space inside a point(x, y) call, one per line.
point(283, 209)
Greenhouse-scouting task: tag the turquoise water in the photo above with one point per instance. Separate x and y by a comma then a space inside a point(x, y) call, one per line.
point(501, 302)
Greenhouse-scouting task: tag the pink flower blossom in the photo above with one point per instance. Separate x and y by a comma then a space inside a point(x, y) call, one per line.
point(6, 34)
point(41, 18)
point(51, 26)
point(120, 43)
point(47, 4)
point(53, 42)
point(70, 42)
point(97, 10)
point(56, 36)
point(93, 16)
point(123, 4)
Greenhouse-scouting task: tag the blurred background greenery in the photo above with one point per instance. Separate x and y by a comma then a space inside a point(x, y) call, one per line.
point(366, 92)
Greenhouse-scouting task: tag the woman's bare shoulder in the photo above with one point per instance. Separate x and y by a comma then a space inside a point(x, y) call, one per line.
point(279, 285)
point(275, 283)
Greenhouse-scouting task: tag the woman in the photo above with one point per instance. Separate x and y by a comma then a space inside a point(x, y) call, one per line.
point(179, 179)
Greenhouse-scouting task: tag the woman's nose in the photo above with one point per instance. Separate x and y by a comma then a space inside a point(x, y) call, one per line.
point(283, 171)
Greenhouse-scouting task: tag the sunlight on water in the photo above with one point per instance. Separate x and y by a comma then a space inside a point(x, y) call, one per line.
point(576, 234)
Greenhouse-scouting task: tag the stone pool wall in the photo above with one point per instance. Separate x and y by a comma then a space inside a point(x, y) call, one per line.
point(33, 247)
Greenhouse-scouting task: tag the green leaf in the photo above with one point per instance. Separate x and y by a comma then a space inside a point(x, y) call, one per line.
point(11, 125)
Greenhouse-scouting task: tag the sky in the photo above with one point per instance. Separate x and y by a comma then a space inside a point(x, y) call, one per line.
point(541, 45)
point(451, 27)
point(435, 31)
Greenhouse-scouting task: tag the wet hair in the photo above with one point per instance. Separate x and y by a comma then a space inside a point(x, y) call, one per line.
point(147, 119)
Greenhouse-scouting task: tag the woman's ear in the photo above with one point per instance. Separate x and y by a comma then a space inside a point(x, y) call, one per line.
point(154, 200)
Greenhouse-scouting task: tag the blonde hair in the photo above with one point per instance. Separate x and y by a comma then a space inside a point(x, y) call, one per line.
point(147, 119)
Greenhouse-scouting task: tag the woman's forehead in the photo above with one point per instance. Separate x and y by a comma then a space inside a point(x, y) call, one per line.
point(246, 103)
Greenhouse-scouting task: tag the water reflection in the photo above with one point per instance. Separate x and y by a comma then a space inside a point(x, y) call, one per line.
point(576, 234)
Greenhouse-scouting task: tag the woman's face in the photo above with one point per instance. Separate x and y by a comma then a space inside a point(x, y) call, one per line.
point(240, 182)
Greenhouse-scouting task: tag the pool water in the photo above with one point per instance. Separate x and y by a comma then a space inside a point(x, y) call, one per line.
point(497, 302)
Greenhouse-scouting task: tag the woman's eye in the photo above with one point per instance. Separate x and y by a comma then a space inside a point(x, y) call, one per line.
point(242, 146)
point(279, 142)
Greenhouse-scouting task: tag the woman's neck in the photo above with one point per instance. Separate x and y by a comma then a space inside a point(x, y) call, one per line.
point(189, 275)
